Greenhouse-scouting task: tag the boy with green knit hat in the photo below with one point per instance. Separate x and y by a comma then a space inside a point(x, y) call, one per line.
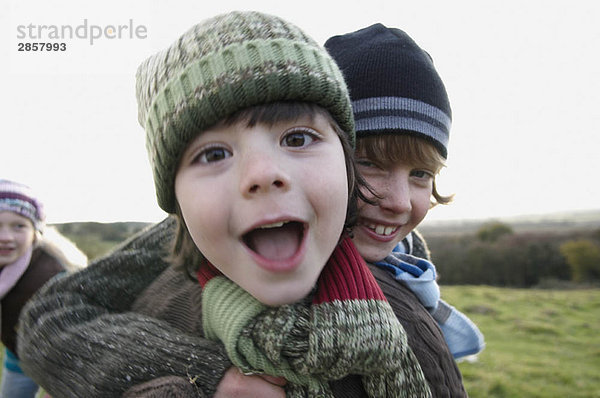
point(242, 116)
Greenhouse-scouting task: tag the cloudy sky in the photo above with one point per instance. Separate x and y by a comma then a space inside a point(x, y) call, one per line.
point(522, 77)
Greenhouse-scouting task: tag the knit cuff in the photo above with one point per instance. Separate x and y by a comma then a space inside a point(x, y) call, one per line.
point(164, 387)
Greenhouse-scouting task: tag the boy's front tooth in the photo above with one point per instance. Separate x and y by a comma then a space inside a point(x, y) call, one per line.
point(272, 225)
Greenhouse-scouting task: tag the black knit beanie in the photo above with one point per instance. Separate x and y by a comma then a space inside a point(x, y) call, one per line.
point(393, 85)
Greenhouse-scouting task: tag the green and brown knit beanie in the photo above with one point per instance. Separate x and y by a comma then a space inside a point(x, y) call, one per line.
point(223, 65)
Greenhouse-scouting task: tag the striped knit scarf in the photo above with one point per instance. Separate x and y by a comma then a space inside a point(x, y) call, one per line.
point(346, 328)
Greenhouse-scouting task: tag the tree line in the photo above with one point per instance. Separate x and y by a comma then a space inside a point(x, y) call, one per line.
point(496, 255)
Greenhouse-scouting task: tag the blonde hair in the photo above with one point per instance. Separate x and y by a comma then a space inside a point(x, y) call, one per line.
point(62, 248)
point(392, 148)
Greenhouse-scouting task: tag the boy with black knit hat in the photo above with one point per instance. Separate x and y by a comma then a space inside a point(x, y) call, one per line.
point(403, 119)
point(242, 115)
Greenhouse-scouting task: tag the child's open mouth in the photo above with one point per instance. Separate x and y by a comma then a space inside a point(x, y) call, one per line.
point(276, 242)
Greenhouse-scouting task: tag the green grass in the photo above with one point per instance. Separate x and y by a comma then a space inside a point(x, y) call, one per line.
point(539, 343)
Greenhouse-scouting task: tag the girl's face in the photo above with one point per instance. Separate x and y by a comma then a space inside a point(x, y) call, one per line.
point(405, 192)
point(17, 234)
point(266, 204)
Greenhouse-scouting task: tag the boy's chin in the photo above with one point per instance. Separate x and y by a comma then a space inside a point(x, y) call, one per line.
point(277, 299)
point(373, 254)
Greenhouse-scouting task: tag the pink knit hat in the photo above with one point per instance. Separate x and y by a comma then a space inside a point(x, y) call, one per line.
point(20, 199)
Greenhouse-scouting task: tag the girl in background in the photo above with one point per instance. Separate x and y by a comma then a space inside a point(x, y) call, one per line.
point(28, 259)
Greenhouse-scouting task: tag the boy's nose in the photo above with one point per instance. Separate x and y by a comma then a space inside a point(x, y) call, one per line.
point(396, 197)
point(261, 173)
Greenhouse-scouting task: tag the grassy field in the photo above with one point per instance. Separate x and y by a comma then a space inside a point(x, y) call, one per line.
point(539, 343)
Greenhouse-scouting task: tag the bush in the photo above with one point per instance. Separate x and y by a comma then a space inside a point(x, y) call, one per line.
point(583, 256)
point(515, 259)
point(492, 231)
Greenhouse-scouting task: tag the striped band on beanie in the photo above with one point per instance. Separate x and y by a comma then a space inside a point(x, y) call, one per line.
point(394, 86)
point(20, 199)
point(221, 66)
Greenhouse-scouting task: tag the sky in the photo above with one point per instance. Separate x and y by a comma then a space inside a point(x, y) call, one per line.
point(522, 77)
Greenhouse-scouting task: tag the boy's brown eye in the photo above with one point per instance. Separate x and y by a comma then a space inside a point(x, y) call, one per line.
point(295, 139)
point(298, 138)
point(212, 155)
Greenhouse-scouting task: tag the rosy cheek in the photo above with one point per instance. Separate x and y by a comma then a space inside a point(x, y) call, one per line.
point(422, 211)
